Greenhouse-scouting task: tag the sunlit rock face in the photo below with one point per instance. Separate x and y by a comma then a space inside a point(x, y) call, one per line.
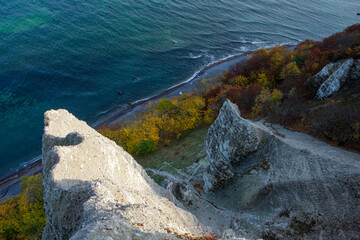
point(284, 185)
point(262, 181)
point(93, 189)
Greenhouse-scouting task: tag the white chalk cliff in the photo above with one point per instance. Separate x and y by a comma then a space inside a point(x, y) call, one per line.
point(260, 181)
point(333, 77)
point(288, 185)
point(93, 189)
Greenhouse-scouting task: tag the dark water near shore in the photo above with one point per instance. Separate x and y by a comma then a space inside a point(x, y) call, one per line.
point(78, 54)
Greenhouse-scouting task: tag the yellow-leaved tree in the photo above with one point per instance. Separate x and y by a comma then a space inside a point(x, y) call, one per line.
point(23, 216)
point(267, 102)
point(159, 124)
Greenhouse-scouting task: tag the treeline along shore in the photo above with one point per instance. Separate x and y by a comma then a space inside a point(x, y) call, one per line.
point(10, 184)
point(313, 88)
point(273, 84)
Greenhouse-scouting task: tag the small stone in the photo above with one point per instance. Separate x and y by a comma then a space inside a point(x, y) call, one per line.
point(180, 190)
point(229, 234)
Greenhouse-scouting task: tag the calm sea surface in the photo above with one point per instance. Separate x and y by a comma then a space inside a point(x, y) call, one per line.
point(78, 54)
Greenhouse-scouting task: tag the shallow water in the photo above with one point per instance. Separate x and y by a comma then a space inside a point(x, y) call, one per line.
point(78, 54)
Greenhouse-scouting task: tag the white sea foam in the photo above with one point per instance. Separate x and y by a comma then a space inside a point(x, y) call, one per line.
point(253, 42)
point(192, 56)
point(104, 112)
point(25, 164)
point(243, 49)
point(257, 42)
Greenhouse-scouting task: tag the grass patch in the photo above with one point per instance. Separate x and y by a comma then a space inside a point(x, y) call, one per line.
point(177, 155)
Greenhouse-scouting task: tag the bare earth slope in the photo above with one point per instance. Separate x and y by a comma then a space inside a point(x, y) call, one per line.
point(291, 187)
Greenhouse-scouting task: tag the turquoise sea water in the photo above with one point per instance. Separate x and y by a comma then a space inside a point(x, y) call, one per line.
point(78, 54)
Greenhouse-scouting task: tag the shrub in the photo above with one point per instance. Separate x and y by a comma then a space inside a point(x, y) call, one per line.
point(247, 97)
point(259, 61)
point(349, 37)
point(146, 147)
point(164, 105)
point(278, 56)
point(263, 80)
point(241, 81)
point(23, 216)
point(339, 123)
point(267, 102)
point(233, 93)
point(211, 94)
point(210, 115)
point(243, 97)
point(290, 71)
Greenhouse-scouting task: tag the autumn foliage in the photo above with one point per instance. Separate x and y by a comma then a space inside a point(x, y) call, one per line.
point(159, 124)
point(23, 216)
point(270, 84)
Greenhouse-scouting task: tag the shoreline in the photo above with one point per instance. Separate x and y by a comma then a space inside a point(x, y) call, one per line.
point(10, 184)
point(167, 92)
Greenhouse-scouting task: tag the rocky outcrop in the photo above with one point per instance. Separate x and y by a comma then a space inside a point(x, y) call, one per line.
point(237, 136)
point(266, 182)
point(333, 76)
point(335, 81)
point(292, 187)
point(324, 74)
point(93, 189)
point(229, 139)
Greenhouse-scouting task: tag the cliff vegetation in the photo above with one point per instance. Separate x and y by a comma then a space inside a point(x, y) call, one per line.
point(271, 84)
point(23, 216)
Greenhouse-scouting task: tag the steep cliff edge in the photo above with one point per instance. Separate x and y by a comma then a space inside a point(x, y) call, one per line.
point(260, 181)
point(93, 189)
point(291, 186)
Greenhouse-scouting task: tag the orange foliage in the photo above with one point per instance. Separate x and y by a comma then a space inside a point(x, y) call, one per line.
point(268, 71)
